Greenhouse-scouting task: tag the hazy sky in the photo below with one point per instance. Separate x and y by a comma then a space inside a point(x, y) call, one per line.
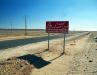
point(82, 14)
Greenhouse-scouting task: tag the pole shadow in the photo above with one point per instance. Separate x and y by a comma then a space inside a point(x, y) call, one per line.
point(57, 57)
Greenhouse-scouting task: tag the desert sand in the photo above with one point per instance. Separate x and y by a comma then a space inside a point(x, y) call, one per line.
point(79, 58)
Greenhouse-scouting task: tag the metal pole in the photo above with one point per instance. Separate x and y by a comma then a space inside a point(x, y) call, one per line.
point(11, 28)
point(64, 44)
point(25, 26)
point(48, 41)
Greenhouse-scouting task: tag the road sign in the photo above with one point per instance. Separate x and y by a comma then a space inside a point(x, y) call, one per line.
point(57, 26)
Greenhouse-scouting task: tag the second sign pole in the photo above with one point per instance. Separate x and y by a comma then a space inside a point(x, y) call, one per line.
point(48, 41)
point(64, 44)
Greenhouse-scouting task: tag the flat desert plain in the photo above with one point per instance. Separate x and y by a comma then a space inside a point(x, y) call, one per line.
point(35, 59)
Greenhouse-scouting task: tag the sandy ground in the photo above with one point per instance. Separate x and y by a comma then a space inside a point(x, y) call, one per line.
point(30, 35)
point(19, 37)
point(80, 57)
point(15, 66)
point(32, 48)
point(67, 64)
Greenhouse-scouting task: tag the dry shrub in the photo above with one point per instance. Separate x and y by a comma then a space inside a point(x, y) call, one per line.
point(14, 66)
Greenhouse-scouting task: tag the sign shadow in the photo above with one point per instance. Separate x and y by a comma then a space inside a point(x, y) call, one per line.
point(38, 62)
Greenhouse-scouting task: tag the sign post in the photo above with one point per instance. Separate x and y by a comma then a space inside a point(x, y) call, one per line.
point(57, 27)
point(48, 41)
point(64, 44)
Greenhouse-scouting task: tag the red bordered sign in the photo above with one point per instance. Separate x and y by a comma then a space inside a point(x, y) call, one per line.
point(57, 26)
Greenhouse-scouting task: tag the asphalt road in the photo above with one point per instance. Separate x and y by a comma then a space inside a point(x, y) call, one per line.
point(19, 42)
